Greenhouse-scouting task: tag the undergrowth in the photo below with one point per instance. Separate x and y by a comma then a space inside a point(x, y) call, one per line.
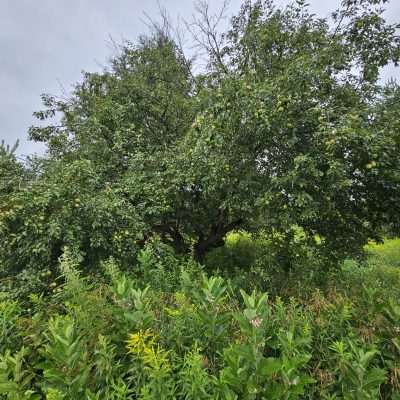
point(169, 330)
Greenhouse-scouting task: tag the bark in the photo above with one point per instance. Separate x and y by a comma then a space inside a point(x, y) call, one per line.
point(172, 236)
point(215, 239)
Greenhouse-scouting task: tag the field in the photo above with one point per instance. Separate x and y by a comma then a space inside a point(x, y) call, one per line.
point(173, 331)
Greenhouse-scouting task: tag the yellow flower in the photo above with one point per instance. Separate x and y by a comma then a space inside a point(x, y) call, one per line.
point(139, 341)
point(156, 358)
point(143, 345)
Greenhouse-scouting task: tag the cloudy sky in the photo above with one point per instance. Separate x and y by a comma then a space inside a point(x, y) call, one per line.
point(45, 44)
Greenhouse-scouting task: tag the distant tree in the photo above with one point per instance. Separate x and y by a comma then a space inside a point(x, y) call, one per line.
point(287, 129)
point(11, 170)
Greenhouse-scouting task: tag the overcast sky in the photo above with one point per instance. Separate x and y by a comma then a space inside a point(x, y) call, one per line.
point(47, 43)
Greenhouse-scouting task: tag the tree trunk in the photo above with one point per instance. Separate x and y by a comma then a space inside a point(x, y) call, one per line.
point(202, 247)
point(214, 240)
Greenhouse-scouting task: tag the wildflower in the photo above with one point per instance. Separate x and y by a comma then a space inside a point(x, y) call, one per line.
point(256, 322)
point(139, 341)
point(156, 358)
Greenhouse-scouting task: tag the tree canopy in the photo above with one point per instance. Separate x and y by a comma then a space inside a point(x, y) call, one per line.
point(287, 129)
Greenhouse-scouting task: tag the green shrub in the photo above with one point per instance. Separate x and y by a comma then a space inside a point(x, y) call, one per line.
point(240, 251)
point(187, 335)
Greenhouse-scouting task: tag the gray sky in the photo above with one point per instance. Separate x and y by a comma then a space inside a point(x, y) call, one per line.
point(47, 43)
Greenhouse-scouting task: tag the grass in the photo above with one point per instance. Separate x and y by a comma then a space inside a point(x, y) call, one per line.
point(386, 254)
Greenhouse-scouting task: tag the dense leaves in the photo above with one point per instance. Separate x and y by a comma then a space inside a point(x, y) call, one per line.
point(168, 331)
point(201, 235)
point(287, 131)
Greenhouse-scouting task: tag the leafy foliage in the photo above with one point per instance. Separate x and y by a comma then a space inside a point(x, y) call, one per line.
point(287, 129)
point(202, 235)
point(200, 339)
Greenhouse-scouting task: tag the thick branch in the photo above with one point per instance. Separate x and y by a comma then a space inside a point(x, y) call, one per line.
point(214, 239)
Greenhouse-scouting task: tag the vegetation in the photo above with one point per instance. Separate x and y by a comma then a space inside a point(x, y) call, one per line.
point(214, 234)
point(168, 330)
point(387, 254)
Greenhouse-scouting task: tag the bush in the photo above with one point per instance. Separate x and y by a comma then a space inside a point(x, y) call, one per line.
point(187, 335)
